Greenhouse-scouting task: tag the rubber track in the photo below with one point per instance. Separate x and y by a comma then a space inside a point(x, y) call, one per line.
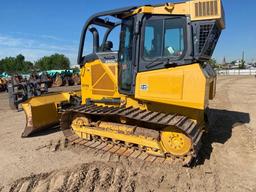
point(183, 123)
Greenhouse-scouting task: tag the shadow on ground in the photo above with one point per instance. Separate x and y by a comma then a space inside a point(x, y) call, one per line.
point(221, 123)
point(46, 132)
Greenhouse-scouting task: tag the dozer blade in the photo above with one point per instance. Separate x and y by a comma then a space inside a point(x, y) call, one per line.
point(42, 111)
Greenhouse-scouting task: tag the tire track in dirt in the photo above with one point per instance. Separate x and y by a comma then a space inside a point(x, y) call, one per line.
point(109, 176)
point(95, 176)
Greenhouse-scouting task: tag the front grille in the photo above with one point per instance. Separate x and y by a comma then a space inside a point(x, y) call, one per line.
point(207, 8)
point(204, 33)
point(212, 40)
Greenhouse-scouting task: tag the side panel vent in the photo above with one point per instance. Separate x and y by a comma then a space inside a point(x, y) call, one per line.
point(206, 8)
point(206, 35)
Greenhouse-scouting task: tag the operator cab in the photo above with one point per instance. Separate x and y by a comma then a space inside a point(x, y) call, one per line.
point(151, 38)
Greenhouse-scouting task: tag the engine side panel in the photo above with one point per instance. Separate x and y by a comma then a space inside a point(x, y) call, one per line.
point(99, 80)
point(185, 86)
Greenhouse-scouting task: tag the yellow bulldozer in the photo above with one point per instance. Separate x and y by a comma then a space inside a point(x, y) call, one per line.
point(149, 98)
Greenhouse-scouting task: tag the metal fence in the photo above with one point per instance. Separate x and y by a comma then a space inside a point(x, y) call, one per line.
point(237, 72)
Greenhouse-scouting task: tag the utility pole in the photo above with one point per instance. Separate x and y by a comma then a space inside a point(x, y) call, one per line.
point(224, 63)
point(242, 65)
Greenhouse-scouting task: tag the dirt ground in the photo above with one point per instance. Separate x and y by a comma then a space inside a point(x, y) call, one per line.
point(227, 160)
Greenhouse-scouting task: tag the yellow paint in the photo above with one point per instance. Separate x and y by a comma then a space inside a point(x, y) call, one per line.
point(42, 111)
point(81, 121)
point(117, 128)
point(184, 89)
point(186, 8)
point(139, 140)
point(89, 87)
point(183, 86)
point(172, 141)
point(175, 142)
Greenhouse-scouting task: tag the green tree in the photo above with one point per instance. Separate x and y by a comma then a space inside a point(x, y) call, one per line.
point(56, 61)
point(1, 67)
point(15, 65)
point(233, 62)
point(242, 64)
point(8, 64)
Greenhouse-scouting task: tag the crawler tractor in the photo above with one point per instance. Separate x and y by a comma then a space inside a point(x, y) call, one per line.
point(149, 98)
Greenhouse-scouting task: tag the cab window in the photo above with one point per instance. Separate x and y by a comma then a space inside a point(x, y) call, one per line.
point(163, 38)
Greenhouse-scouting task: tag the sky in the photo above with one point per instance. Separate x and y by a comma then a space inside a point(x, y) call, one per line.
point(36, 28)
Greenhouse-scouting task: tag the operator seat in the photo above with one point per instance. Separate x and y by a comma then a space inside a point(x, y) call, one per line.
point(108, 46)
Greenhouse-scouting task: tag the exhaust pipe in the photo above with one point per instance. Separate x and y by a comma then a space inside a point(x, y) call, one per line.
point(96, 43)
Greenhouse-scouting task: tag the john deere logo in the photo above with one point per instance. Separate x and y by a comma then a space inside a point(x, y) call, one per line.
point(143, 87)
